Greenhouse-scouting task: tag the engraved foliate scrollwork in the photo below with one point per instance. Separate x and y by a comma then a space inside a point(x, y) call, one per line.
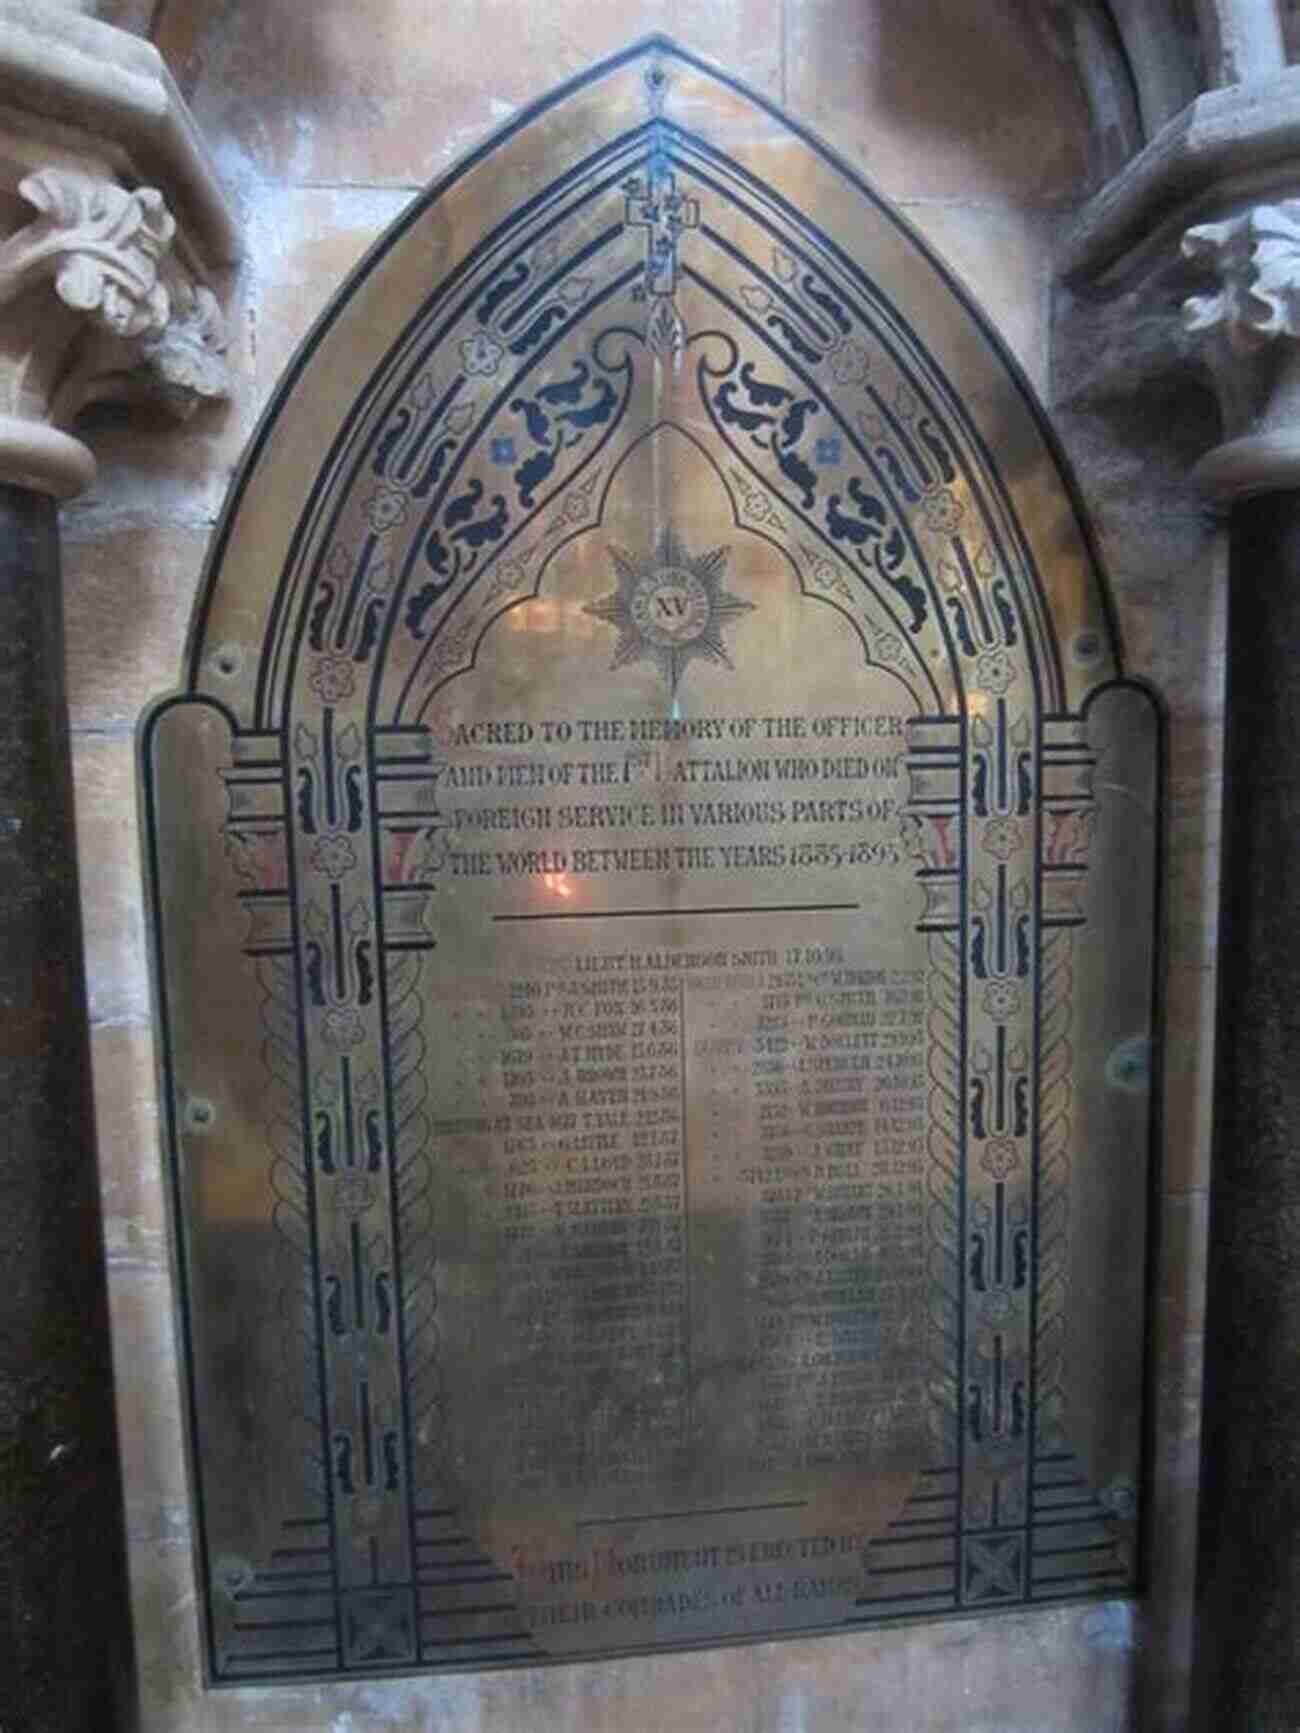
point(108, 252)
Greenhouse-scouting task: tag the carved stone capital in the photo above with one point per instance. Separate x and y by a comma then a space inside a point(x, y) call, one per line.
point(117, 219)
point(1247, 326)
point(108, 255)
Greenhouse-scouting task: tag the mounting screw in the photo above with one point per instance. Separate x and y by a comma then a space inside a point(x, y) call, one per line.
point(1129, 1065)
point(199, 1115)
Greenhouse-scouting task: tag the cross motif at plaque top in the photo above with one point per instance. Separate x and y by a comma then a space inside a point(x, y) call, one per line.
point(655, 205)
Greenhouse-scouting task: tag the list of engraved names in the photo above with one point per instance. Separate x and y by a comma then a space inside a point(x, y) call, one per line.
point(698, 1084)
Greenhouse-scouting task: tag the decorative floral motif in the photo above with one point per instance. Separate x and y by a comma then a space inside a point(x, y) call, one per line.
point(996, 1307)
point(386, 509)
point(849, 362)
point(334, 856)
point(546, 256)
point(461, 415)
point(354, 1194)
point(758, 507)
point(432, 856)
point(452, 647)
point(338, 563)
point(510, 575)
point(423, 392)
point(824, 572)
point(996, 672)
point(911, 834)
point(1002, 838)
point(1002, 1000)
point(480, 354)
point(332, 679)
point(575, 507)
point(871, 426)
point(1000, 1157)
point(665, 329)
point(888, 649)
point(942, 511)
point(574, 290)
point(342, 1028)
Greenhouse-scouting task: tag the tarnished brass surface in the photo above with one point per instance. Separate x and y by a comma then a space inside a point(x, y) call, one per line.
point(654, 988)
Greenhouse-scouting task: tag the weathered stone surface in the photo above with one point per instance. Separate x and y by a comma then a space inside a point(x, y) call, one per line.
point(307, 96)
point(129, 592)
point(109, 850)
point(945, 100)
point(126, 1120)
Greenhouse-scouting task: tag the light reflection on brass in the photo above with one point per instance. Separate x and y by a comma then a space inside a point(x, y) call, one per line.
point(648, 924)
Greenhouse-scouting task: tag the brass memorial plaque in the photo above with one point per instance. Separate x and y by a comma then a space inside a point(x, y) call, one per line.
point(653, 873)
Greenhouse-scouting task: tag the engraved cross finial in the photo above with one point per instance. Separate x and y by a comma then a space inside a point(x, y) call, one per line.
point(655, 205)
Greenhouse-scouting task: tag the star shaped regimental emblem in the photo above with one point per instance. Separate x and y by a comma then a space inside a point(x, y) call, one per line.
point(670, 606)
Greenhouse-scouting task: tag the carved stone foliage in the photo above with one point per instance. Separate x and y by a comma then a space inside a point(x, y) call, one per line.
point(1254, 257)
point(108, 253)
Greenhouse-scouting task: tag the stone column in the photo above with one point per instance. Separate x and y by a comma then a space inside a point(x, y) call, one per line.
point(1241, 40)
point(102, 295)
point(1247, 1662)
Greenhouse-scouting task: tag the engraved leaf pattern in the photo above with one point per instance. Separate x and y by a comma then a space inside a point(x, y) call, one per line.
point(943, 1181)
point(412, 1179)
point(291, 1213)
point(1053, 1182)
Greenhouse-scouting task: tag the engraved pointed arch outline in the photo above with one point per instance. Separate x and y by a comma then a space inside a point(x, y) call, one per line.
point(1067, 535)
point(335, 398)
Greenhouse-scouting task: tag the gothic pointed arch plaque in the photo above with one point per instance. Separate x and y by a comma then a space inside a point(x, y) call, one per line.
point(653, 888)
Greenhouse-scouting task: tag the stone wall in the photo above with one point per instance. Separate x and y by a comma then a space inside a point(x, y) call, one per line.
point(324, 119)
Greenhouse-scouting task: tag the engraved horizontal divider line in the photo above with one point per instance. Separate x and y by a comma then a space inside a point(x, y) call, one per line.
point(940, 1530)
point(406, 804)
point(1069, 773)
point(676, 913)
point(489, 1608)
point(256, 838)
point(1076, 1526)
point(934, 772)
